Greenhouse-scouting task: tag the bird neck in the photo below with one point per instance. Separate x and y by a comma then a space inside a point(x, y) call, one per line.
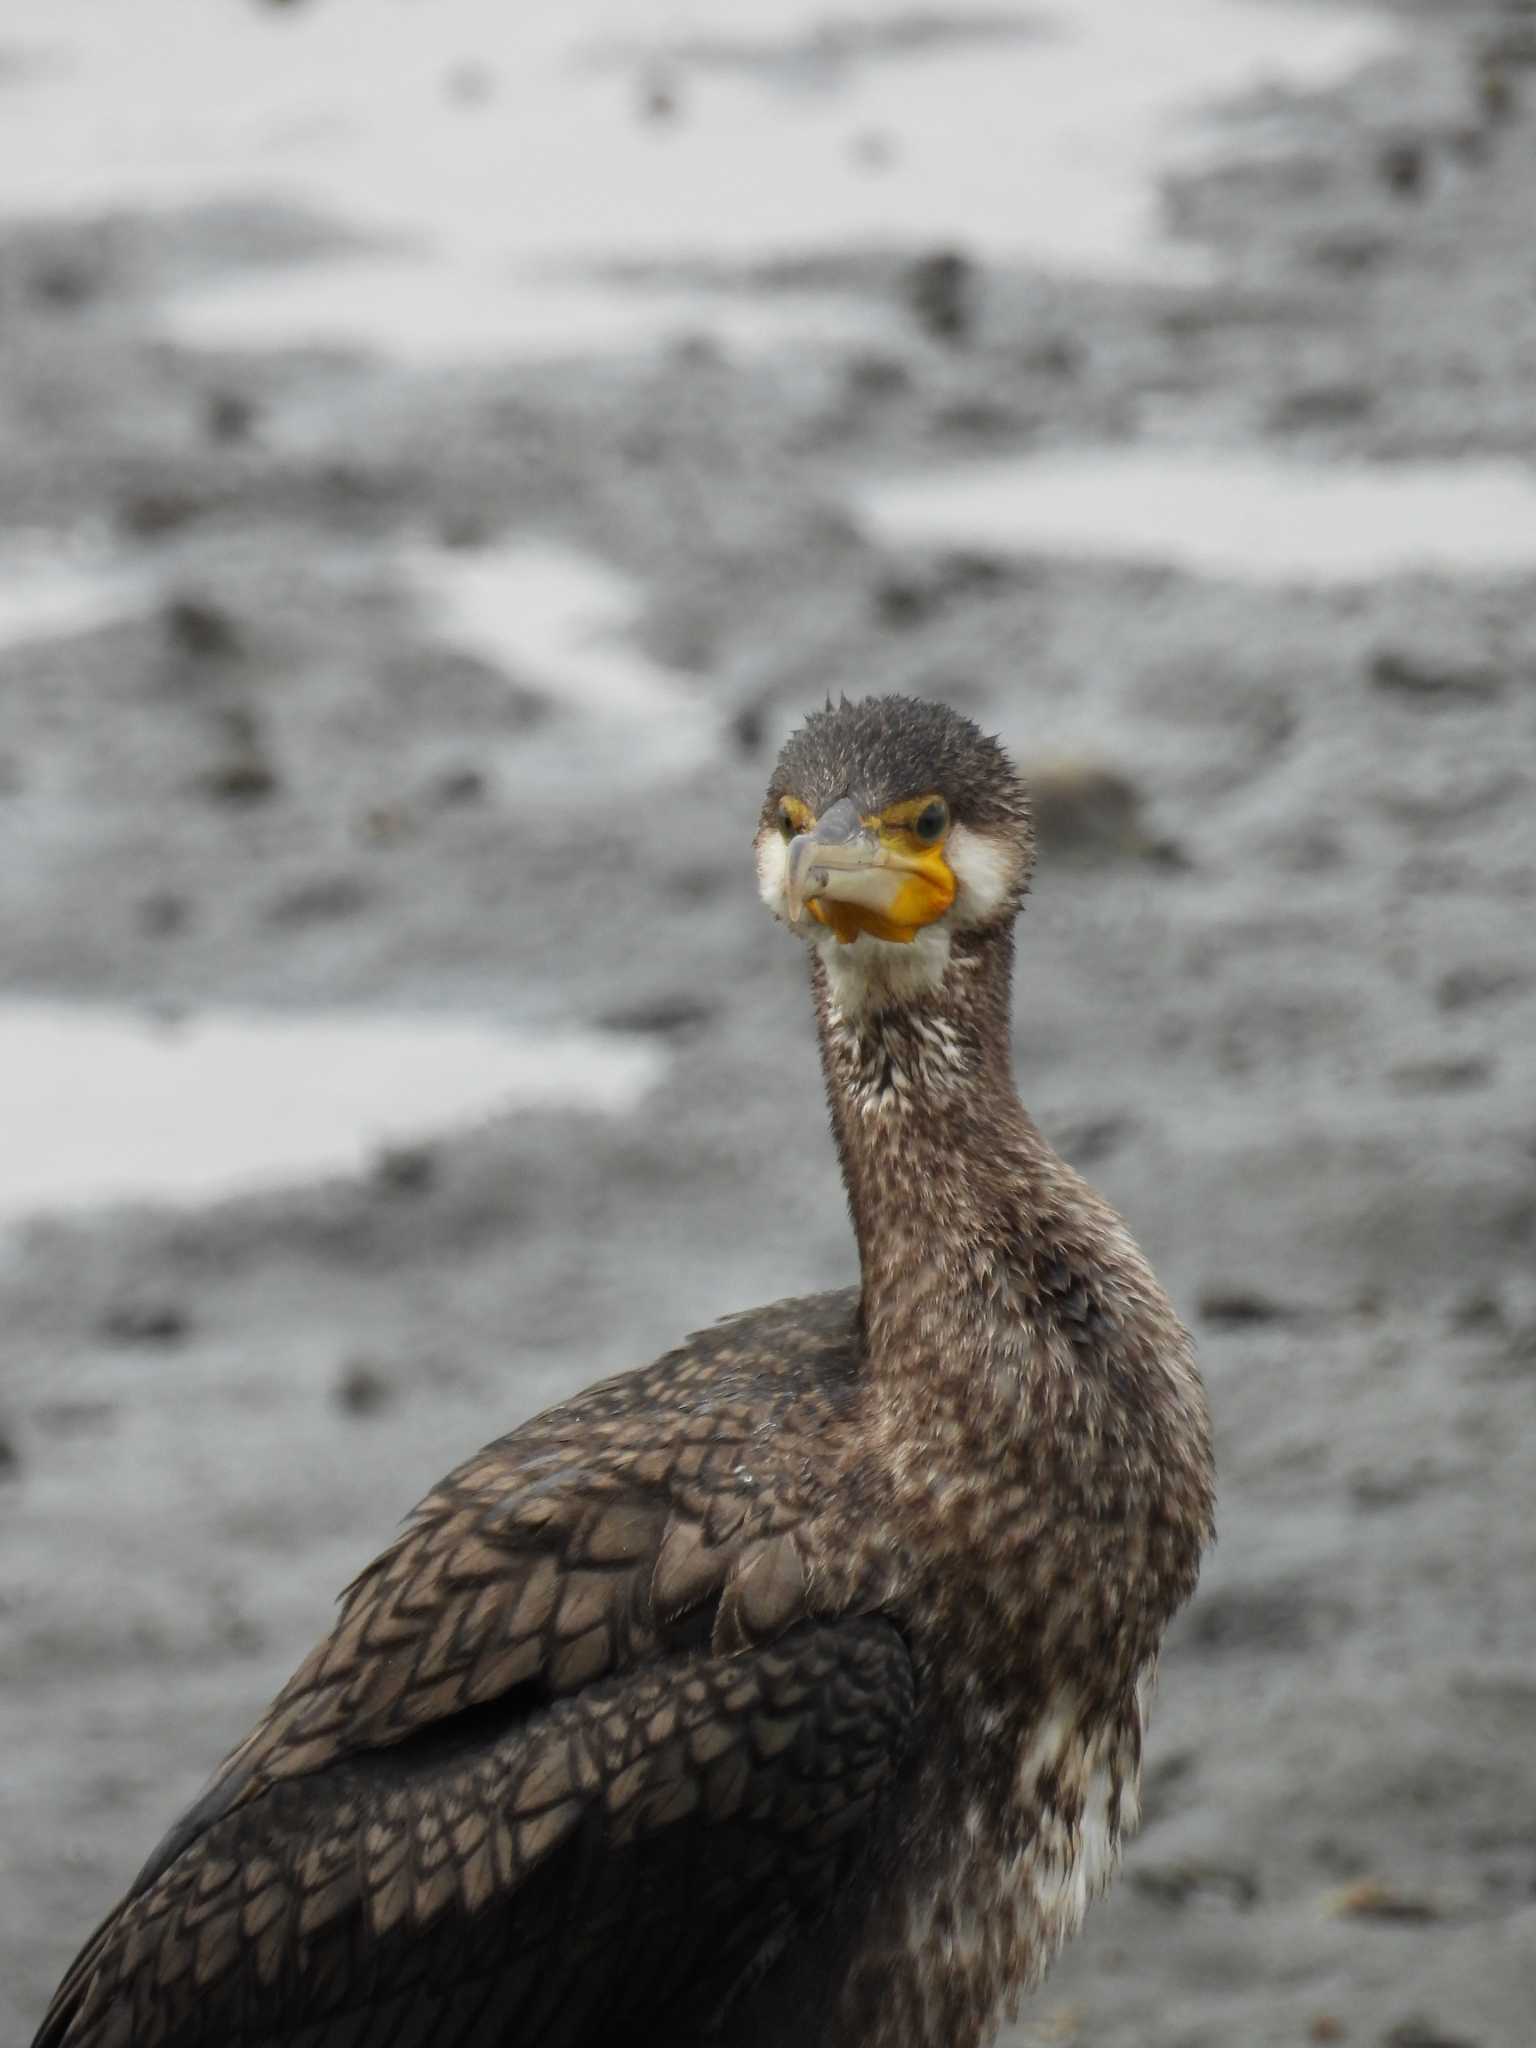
point(942, 1165)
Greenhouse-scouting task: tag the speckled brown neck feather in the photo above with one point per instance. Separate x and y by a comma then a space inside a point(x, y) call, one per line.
point(923, 1109)
point(1043, 1448)
point(784, 1693)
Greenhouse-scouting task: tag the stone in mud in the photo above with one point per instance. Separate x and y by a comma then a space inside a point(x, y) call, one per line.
point(1418, 2031)
point(871, 374)
point(147, 515)
point(982, 419)
point(323, 899)
point(406, 1169)
point(242, 779)
point(459, 788)
point(1374, 1899)
point(1442, 1077)
point(147, 1324)
point(1240, 1308)
point(229, 417)
point(64, 286)
point(1424, 676)
point(1514, 43)
point(1276, 1620)
point(1059, 355)
point(1497, 94)
point(1464, 988)
point(164, 913)
point(940, 289)
point(1352, 252)
point(1095, 1139)
point(201, 629)
point(246, 773)
point(1321, 405)
point(1402, 166)
point(363, 1388)
point(1086, 810)
point(663, 1016)
point(1176, 1884)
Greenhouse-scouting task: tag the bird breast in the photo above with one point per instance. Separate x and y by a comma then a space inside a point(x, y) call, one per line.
point(1006, 1879)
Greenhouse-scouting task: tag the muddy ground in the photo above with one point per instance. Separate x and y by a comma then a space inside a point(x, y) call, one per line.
point(1277, 995)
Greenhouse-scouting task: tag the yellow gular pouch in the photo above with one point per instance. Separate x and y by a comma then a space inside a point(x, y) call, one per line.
point(907, 886)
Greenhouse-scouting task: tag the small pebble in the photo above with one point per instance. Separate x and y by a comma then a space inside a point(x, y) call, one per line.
point(872, 375)
point(1087, 809)
point(747, 729)
point(64, 285)
point(458, 787)
point(149, 514)
point(941, 291)
point(146, 1323)
point(163, 914)
point(363, 1389)
point(229, 416)
point(1426, 676)
point(1175, 1884)
point(1478, 1312)
point(1441, 1077)
point(1401, 167)
point(406, 1169)
point(1419, 2032)
point(197, 627)
point(1235, 1308)
point(1464, 987)
point(1374, 1899)
point(243, 779)
point(664, 1015)
point(324, 899)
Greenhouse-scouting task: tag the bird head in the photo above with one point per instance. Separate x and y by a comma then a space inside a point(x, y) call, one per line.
point(893, 820)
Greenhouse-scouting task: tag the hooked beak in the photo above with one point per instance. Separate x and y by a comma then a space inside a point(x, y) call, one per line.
point(853, 882)
point(838, 841)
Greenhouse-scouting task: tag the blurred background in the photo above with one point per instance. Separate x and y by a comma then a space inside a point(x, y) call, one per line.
point(443, 448)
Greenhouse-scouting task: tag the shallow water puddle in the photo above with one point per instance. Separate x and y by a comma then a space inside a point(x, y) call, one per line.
point(560, 621)
point(551, 616)
point(50, 593)
point(108, 1105)
point(431, 310)
point(483, 141)
point(1237, 515)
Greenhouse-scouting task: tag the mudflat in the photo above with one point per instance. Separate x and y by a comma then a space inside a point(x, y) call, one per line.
point(337, 684)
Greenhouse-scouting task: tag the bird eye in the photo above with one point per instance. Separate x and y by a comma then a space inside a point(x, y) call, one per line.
point(786, 822)
point(931, 820)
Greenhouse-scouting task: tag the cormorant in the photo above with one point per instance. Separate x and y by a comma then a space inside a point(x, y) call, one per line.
point(785, 1691)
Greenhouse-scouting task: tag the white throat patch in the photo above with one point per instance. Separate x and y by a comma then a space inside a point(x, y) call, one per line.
point(876, 974)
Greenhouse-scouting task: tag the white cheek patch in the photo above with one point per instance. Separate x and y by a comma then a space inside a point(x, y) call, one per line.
point(773, 870)
point(986, 870)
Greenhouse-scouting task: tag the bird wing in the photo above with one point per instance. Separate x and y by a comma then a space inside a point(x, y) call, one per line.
point(637, 1546)
point(614, 1866)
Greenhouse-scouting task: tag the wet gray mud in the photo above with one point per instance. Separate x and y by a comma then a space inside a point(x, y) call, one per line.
point(1276, 989)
